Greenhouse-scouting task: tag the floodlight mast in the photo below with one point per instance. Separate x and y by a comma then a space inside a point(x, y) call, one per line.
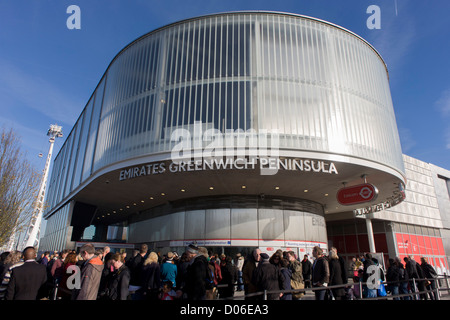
point(33, 232)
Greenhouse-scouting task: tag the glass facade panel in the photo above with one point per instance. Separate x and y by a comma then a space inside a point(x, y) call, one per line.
point(92, 137)
point(320, 87)
point(229, 220)
point(245, 223)
point(194, 224)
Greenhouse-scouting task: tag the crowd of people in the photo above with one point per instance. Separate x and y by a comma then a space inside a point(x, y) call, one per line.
point(401, 280)
point(199, 274)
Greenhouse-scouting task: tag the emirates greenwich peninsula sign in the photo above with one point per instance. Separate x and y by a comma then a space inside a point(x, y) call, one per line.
point(205, 148)
point(261, 163)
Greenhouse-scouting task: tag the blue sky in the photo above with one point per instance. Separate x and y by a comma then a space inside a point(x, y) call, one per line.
point(48, 72)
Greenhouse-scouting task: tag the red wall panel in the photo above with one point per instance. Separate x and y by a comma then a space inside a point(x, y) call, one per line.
point(351, 244)
point(428, 249)
point(380, 242)
point(421, 244)
point(401, 246)
point(434, 246)
point(363, 243)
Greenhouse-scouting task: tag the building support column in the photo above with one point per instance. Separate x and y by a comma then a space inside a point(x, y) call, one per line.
point(370, 235)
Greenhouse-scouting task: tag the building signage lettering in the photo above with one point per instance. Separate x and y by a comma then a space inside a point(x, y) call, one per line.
point(380, 206)
point(305, 165)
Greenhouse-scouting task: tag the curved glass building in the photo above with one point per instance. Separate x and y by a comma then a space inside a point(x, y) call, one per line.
point(233, 130)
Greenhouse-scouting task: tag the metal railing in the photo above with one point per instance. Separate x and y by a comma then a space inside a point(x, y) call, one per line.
point(439, 287)
point(413, 295)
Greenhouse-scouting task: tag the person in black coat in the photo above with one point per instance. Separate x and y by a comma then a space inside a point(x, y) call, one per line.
point(415, 272)
point(335, 275)
point(268, 277)
point(393, 278)
point(429, 273)
point(320, 275)
point(196, 274)
point(135, 266)
point(151, 277)
point(306, 271)
point(229, 277)
point(403, 279)
point(27, 280)
point(119, 280)
point(287, 273)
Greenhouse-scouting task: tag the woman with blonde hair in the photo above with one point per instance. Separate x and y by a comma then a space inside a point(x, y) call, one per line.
point(335, 275)
point(151, 277)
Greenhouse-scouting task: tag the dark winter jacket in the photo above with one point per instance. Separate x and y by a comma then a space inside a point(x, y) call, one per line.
point(320, 272)
point(306, 269)
point(229, 277)
point(393, 275)
point(135, 266)
point(117, 288)
point(197, 272)
point(151, 277)
point(268, 277)
point(287, 283)
point(367, 263)
point(247, 276)
point(336, 277)
point(411, 269)
point(428, 271)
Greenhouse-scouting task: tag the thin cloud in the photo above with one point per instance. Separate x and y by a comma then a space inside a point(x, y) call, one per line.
point(406, 139)
point(447, 139)
point(396, 36)
point(443, 103)
point(31, 91)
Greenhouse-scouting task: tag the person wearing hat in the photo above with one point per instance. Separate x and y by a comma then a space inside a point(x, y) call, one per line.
point(268, 277)
point(169, 270)
point(197, 273)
